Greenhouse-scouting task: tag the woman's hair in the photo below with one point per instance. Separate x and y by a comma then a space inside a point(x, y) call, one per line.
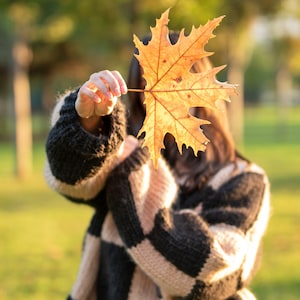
point(192, 171)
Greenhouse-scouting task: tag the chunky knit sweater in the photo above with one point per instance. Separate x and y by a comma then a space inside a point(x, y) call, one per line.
point(146, 240)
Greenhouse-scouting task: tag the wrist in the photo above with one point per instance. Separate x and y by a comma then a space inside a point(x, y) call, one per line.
point(91, 124)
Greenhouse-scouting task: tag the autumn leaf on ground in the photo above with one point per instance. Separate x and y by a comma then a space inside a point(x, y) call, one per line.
point(172, 89)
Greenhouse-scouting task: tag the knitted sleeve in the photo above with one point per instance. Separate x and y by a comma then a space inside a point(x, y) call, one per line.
point(78, 162)
point(207, 252)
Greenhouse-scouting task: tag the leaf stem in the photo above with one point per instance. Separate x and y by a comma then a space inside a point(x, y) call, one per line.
point(137, 90)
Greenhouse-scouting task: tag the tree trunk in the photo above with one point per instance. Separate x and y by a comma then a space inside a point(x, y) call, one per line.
point(283, 96)
point(236, 107)
point(48, 96)
point(21, 89)
point(239, 53)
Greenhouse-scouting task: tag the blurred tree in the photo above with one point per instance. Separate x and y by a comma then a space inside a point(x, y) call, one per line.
point(285, 32)
point(23, 22)
point(70, 39)
point(21, 18)
point(237, 46)
point(259, 76)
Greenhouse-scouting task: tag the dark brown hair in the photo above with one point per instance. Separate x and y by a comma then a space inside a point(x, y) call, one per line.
point(192, 171)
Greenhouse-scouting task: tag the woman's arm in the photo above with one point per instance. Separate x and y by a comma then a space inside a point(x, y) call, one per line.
point(88, 130)
point(205, 251)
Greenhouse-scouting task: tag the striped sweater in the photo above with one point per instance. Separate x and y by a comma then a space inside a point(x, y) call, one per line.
point(146, 241)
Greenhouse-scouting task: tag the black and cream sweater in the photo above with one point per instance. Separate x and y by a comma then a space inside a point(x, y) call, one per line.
point(145, 241)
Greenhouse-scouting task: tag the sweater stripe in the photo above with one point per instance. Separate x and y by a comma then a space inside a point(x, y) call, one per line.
point(149, 201)
point(142, 287)
point(233, 202)
point(181, 233)
point(86, 189)
point(167, 276)
point(255, 234)
point(116, 272)
point(110, 233)
point(122, 208)
point(88, 271)
point(245, 294)
point(228, 250)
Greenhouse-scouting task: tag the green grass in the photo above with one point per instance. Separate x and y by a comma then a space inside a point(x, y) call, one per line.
point(41, 233)
point(275, 146)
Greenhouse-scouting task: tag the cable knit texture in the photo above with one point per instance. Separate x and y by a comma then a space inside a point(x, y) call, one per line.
point(145, 240)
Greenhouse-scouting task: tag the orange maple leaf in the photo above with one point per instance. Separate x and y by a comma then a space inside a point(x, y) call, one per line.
point(172, 89)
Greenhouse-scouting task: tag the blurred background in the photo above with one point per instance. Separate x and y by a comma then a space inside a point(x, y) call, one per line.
point(47, 47)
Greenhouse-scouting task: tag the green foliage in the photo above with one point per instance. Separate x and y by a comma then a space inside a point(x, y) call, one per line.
point(107, 26)
point(71, 39)
point(259, 75)
point(41, 233)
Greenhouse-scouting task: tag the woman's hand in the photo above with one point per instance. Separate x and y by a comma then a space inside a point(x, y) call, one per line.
point(98, 96)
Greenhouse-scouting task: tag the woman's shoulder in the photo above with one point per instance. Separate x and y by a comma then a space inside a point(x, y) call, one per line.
point(234, 169)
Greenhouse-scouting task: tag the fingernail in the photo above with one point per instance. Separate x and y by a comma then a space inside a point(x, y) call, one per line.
point(123, 89)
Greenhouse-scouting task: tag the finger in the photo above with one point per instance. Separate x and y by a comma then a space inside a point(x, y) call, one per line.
point(111, 81)
point(99, 86)
point(106, 107)
point(87, 92)
point(84, 102)
point(121, 81)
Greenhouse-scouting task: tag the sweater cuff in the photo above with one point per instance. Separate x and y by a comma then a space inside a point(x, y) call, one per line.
point(74, 153)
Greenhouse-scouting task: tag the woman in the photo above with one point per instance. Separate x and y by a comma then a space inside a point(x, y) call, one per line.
point(189, 229)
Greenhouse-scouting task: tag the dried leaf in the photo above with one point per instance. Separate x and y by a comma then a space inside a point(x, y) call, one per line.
point(172, 89)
